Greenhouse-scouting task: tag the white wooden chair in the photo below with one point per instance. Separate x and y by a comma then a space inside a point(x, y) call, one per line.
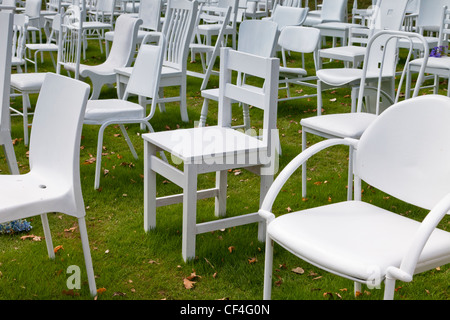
point(376, 86)
point(121, 55)
point(209, 53)
point(358, 240)
point(144, 82)
point(178, 29)
point(19, 37)
point(6, 25)
point(216, 149)
point(332, 11)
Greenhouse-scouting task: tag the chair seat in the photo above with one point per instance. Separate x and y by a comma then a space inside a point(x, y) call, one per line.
point(197, 145)
point(339, 76)
point(356, 239)
point(95, 25)
point(42, 46)
point(434, 63)
point(351, 125)
point(432, 42)
point(343, 53)
point(285, 71)
point(106, 109)
point(27, 81)
point(40, 192)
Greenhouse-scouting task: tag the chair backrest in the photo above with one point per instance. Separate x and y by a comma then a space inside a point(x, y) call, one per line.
point(429, 15)
point(411, 165)
point(33, 8)
point(145, 77)
point(19, 36)
point(444, 28)
point(234, 10)
point(124, 44)
point(389, 15)
point(231, 89)
point(333, 10)
point(299, 39)
point(56, 132)
point(178, 28)
point(104, 10)
point(150, 13)
point(6, 25)
point(289, 16)
point(258, 37)
point(54, 5)
point(380, 62)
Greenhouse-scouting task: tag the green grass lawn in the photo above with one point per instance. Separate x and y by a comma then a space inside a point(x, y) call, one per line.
point(130, 264)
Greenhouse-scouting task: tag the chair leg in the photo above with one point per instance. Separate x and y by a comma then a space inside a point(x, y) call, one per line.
point(389, 289)
point(356, 288)
point(149, 188)
point(48, 236)
point(319, 98)
point(25, 105)
point(8, 148)
point(304, 166)
point(221, 198)
point(127, 139)
point(183, 102)
point(350, 175)
point(98, 159)
point(268, 269)
point(87, 256)
point(204, 113)
point(189, 212)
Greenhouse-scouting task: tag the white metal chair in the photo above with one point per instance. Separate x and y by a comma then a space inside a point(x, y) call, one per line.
point(375, 81)
point(209, 53)
point(436, 66)
point(216, 149)
point(304, 40)
point(250, 34)
point(341, 238)
point(6, 25)
point(144, 82)
point(386, 15)
point(121, 56)
point(178, 29)
point(53, 182)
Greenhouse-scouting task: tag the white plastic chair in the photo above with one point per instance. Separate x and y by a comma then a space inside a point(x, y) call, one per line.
point(358, 240)
point(332, 11)
point(288, 16)
point(144, 82)
point(250, 34)
point(19, 37)
point(178, 29)
point(375, 81)
point(121, 56)
point(386, 15)
point(53, 182)
point(257, 9)
point(209, 53)
point(438, 67)
point(33, 12)
point(6, 25)
point(216, 149)
point(302, 40)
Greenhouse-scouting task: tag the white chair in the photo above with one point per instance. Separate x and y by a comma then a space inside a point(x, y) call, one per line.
point(288, 16)
point(212, 28)
point(438, 67)
point(144, 82)
point(375, 81)
point(304, 40)
point(209, 53)
point(358, 240)
point(19, 37)
point(53, 182)
point(250, 34)
point(121, 56)
point(6, 25)
point(35, 24)
point(178, 29)
point(50, 46)
point(216, 149)
point(257, 9)
point(332, 11)
point(386, 15)
point(150, 14)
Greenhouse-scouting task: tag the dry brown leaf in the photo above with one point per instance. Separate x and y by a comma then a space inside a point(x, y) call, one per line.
point(57, 248)
point(252, 260)
point(298, 270)
point(101, 290)
point(188, 284)
point(32, 237)
point(231, 249)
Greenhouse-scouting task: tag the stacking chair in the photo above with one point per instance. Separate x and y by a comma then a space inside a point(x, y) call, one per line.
point(302, 40)
point(216, 149)
point(358, 240)
point(144, 82)
point(53, 182)
point(121, 55)
point(375, 81)
point(250, 34)
point(178, 29)
point(436, 66)
point(209, 53)
point(6, 25)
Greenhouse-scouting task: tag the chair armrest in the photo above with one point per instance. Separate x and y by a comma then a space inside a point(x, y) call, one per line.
point(409, 261)
point(294, 165)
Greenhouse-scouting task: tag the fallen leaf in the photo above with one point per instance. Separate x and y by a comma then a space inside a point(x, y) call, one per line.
point(298, 270)
point(101, 290)
point(32, 237)
point(57, 248)
point(231, 249)
point(252, 260)
point(71, 229)
point(188, 284)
